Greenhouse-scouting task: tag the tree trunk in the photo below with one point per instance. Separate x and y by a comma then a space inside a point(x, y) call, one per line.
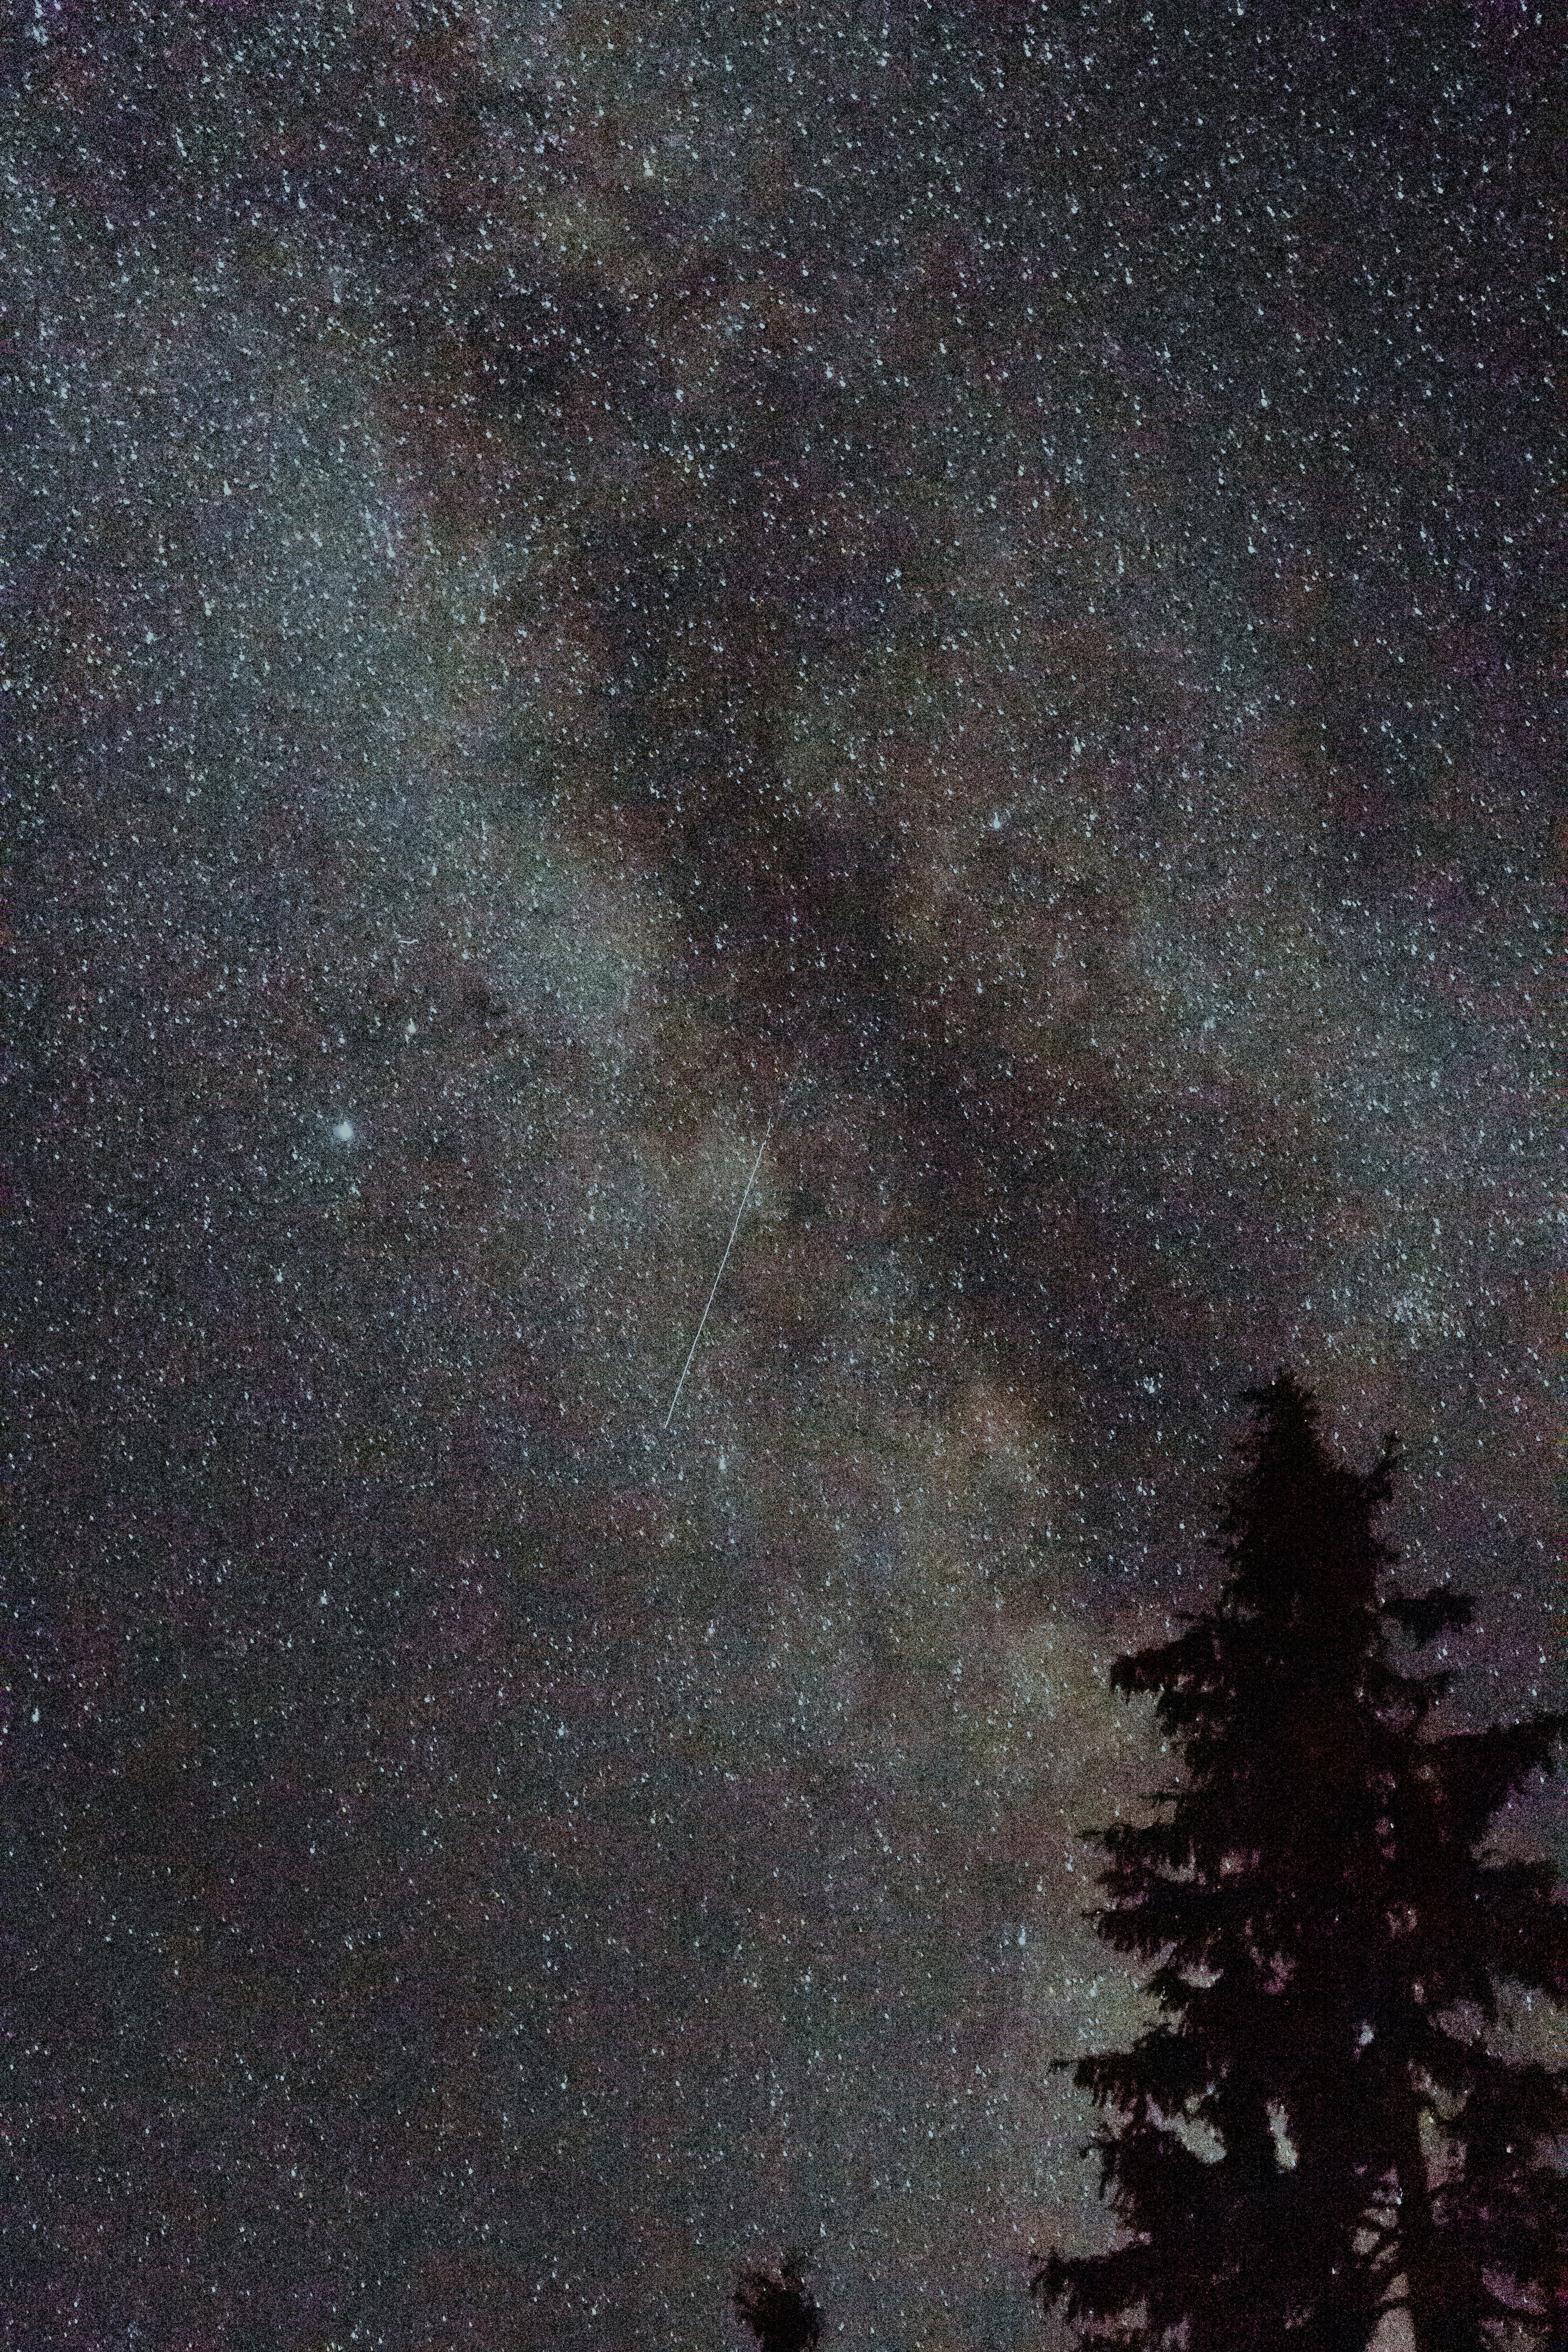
point(1438, 2323)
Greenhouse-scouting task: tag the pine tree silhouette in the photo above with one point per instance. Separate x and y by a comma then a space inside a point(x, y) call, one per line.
point(777, 2307)
point(1330, 1948)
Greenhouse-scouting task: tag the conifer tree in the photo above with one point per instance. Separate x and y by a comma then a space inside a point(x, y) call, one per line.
point(778, 2308)
point(1326, 2120)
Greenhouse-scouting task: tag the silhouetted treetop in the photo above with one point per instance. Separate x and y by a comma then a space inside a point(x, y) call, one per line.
point(1318, 2130)
point(777, 2308)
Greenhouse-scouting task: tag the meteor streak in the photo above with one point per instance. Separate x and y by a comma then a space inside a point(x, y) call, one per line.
point(739, 1212)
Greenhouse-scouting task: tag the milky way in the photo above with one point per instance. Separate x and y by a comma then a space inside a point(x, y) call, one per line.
point(973, 582)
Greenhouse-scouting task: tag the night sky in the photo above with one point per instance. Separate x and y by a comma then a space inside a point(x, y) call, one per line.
point(975, 582)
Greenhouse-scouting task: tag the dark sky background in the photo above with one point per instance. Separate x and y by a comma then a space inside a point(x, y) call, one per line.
point(976, 582)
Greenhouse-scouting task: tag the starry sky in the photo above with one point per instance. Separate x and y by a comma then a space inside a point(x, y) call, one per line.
point(956, 602)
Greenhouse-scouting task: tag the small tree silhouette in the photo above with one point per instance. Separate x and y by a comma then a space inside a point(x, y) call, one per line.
point(777, 2309)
